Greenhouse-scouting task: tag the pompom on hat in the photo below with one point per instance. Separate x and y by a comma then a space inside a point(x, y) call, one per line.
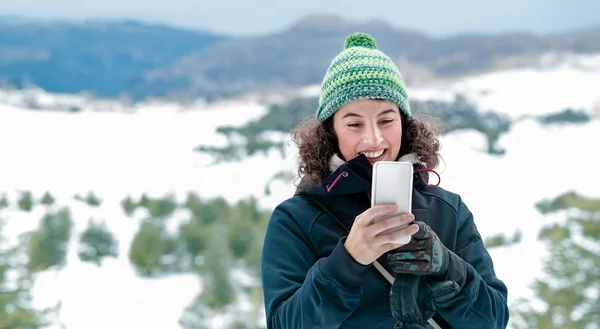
point(361, 71)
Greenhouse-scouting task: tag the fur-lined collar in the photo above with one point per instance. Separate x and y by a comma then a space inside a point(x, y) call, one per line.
point(336, 161)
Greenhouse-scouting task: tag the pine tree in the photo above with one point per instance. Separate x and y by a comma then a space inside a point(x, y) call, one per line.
point(48, 199)
point(48, 244)
point(218, 289)
point(161, 208)
point(194, 204)
point(15, 297)
point(570, 293)
point(25, 201)
point(96, 243)
point(93, 200)
point(128, 206)
point(153, 251)
point(194, 235)
point(216, 271)
point(4, 202)
point(246, 228)
point(240, 227)
point(500, 240)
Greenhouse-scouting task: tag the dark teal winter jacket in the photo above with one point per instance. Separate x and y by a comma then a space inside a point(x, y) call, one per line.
point(311, 281)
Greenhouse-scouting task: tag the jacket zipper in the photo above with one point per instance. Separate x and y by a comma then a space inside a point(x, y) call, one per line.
point(472, 238)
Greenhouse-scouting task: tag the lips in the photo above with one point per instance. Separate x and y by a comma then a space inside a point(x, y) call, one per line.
point(375, 156)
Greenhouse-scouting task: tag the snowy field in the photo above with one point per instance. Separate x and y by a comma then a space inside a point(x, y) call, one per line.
point(151, 151)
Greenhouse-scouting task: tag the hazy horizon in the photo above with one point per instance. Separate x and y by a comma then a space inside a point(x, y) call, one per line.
point(437, 19)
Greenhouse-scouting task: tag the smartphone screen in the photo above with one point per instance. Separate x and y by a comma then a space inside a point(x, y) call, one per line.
point(392, 183)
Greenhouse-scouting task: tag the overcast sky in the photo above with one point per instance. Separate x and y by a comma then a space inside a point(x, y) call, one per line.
point(242, 17)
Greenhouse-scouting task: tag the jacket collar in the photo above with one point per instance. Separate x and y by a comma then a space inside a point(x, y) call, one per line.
point(355, 175)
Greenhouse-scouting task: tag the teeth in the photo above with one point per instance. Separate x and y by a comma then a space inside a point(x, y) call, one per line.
point(373, 154)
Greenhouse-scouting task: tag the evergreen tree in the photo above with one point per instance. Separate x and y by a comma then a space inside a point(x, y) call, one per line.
point(570, 293)
point(194, 204)
point(48, 199)
point(217, 286)
point(48, 244)
point(128, 206)
point(91, 199)
point(144, 201)
point(161, 208)
point(246, 229)
point(153, 251)
point(194, 235)
point(218, 289)
point(240, 225)
point(500, 240)
point(4, 202)
point(215, 210)
point(96, 243)
point(25, 201)
point(15, 297)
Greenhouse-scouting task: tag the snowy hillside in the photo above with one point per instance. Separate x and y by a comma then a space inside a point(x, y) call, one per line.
point(150, 150)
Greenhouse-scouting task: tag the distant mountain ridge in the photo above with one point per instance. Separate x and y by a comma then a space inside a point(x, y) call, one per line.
point(145, 60)
point(105, 58)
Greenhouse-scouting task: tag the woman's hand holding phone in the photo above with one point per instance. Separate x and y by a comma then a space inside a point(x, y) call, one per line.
point(366, 242)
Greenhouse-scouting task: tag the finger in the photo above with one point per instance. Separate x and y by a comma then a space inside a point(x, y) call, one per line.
point(408, 231)
point(390, 223)
point(388, 247)
point(379, 210)
point(396, 235)
point(366, 218)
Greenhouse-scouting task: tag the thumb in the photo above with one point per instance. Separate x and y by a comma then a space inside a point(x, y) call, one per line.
point(424, 231)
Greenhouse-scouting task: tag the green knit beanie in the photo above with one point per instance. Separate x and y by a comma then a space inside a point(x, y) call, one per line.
point(361, 71)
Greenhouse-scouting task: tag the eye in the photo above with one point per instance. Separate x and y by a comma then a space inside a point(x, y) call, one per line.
point(354, 125)
point(387, 121)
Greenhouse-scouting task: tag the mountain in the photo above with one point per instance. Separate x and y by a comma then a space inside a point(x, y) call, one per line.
point(101, 57)
point(142, 60)
point(300, 55)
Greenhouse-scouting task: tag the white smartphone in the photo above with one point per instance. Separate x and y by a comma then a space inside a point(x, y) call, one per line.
point(392, 182)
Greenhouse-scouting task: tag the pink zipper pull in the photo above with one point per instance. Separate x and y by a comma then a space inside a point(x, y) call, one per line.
point(343, 173)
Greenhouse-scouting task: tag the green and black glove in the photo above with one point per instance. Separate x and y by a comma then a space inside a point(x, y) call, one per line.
point(423, 255)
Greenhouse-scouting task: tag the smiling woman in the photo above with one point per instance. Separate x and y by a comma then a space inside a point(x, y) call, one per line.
point(327, 264)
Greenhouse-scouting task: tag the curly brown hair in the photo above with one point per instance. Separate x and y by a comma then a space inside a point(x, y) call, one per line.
point(317, 143)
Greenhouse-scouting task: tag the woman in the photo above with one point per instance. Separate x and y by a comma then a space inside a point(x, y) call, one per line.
point(324, 263)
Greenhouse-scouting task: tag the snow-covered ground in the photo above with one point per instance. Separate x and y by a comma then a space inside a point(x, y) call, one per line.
point(526, 91)
point(150, 150)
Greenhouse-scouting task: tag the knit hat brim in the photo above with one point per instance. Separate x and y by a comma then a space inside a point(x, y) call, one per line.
point(343, 96)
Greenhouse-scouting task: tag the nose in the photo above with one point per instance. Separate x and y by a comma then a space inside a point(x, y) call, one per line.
point(373, 136)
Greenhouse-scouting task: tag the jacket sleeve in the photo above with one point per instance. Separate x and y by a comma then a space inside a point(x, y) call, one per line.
point(469, 295)
point(301, 290)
